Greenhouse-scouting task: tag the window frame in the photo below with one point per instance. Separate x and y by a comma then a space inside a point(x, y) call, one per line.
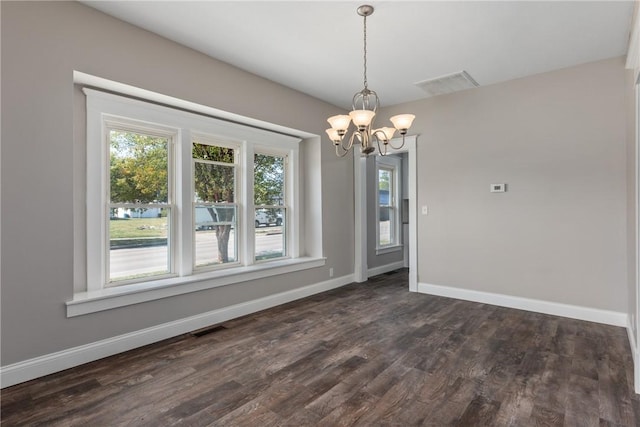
point(111, 123)
point(288, 183)
point(183, 125)
point(393, 164)
point(238, 198)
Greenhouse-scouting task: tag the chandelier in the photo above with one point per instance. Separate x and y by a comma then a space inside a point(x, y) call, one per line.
point(364, 106)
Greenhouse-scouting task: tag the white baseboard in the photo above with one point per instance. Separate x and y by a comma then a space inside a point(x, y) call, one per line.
point(547, 307)
point(635, 356)
point(385, 268)
point(55, 362)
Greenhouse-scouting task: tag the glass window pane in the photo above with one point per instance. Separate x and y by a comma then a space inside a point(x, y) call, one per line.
point(215, 235)
point(214, 183)
point(385, 228)
point(384, 186)
point(270, 233)
point(385, 211)
point(269, 176)
point(138, 168)
point(213, 153)
point(138, 243)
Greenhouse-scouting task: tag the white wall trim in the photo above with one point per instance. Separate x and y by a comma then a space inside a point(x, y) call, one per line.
point(546, 307)
point(117, 87)
point(634, 356)
point(634, 318)
point(360, 216)
point(55, 362)
point(385, 268)
point(389, 249)
point(109, 298)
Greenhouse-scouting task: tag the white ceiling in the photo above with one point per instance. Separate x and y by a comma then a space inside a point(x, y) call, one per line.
point(316, 46)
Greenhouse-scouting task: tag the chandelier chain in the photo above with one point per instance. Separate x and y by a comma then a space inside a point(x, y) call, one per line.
point(365, 52)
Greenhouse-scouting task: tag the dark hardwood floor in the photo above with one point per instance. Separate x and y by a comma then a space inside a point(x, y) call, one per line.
point(366, 354)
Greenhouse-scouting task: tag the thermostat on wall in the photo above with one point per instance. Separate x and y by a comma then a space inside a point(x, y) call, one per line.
point(498, 188)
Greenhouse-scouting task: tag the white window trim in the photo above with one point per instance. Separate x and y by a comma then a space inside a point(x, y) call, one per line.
point(388, 249)
point(291, 192)
point(395, 164)
point(121, 296)
point(173, 135)
point(240, 190)
point(95, 297)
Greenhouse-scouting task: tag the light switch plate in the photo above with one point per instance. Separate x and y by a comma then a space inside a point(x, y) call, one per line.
point(425, 210)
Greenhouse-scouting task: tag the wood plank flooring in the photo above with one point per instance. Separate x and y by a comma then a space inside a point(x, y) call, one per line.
point(366, 354)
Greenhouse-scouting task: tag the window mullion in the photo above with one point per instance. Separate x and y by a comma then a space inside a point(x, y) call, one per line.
point(292, 203)
point(247, 206)
point(184, 247)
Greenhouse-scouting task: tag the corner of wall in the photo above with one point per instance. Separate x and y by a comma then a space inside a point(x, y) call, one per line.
point(634, 354)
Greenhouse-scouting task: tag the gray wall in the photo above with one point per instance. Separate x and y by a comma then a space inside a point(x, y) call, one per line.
point(558, 140)
point(42, 43)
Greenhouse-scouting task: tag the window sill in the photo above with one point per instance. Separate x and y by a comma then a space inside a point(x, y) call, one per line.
point(388, 249)
point(109, 298)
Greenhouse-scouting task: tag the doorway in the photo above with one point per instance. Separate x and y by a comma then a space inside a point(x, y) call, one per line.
point(361, 233)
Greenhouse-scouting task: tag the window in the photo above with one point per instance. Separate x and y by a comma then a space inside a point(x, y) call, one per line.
point(387, 192)
point(139, 204)
point(175, 197)
point(270, 202)
point(215, 207)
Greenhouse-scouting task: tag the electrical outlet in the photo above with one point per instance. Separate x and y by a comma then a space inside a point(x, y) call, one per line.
point(331, 272)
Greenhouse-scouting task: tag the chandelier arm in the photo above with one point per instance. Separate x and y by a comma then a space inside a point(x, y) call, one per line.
point(344, 152)
point(377, 138)
point(350, 144)
point(399, 146)
point(378, 131)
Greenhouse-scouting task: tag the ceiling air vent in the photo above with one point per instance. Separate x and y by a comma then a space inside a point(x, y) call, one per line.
point(448, 84)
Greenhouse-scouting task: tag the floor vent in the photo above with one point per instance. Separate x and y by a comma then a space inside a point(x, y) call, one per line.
point(208, 330)
point(447, 84)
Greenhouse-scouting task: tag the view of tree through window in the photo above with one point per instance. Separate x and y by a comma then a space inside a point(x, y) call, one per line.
point(175, 197)
point(138, 205)
point(215, 208)
point(270, 205)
